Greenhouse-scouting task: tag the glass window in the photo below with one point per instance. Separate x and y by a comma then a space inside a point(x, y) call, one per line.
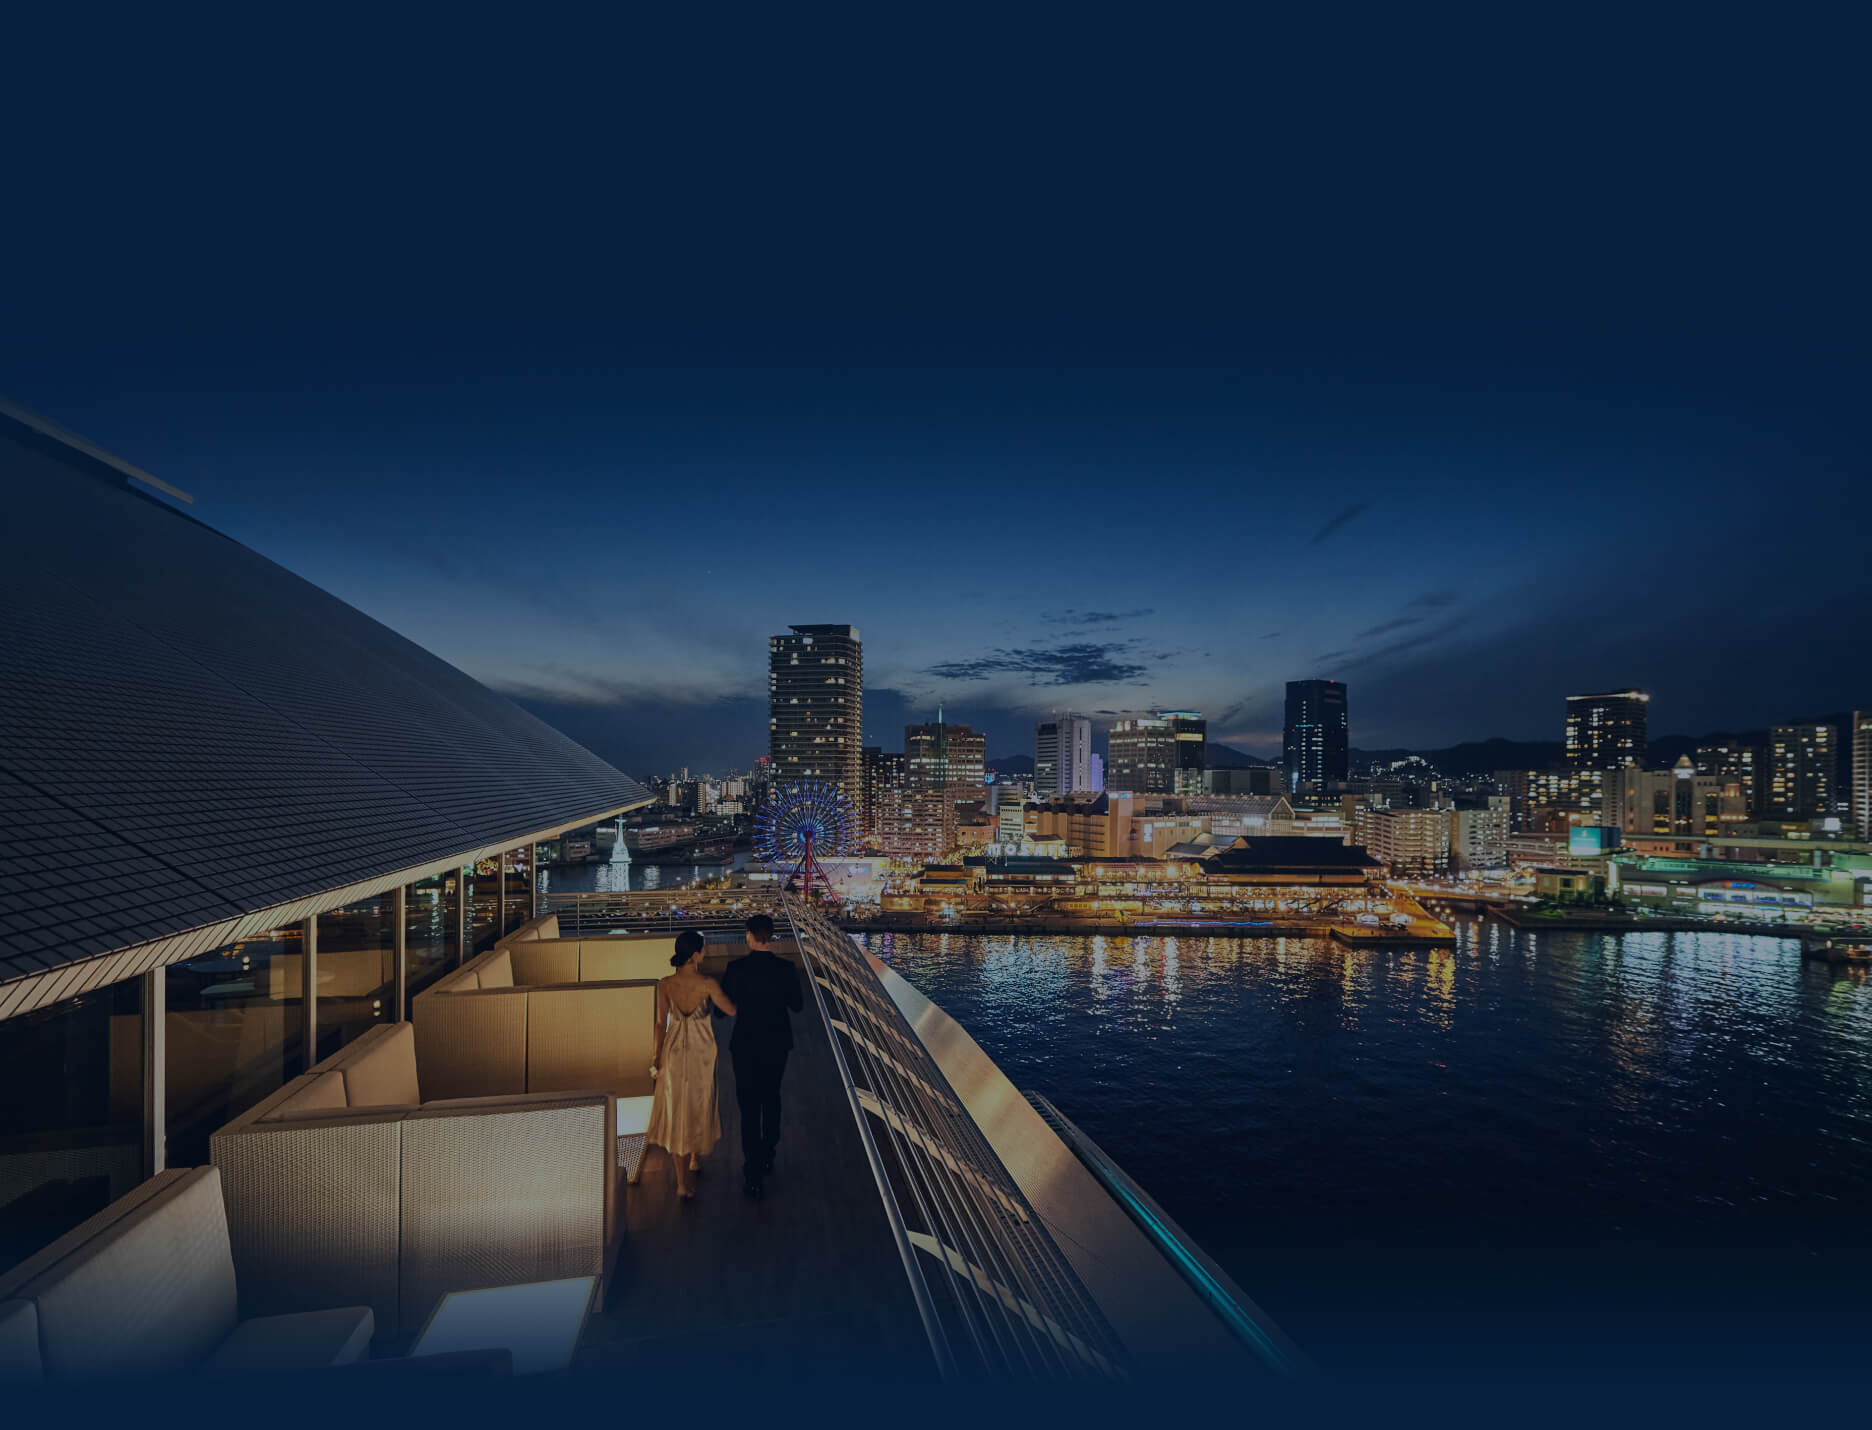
point(431, 930)
point(235, 1030)
point(483, 904)
point(71, 1124)
point(356, 970)
point(519, 864)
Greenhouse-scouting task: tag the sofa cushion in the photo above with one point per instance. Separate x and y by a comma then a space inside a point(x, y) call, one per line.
point(497, 972)
point(321, 1093)
point(384, 1074)
point(149, 1295)
point(306, 1340)
point(19, 1344)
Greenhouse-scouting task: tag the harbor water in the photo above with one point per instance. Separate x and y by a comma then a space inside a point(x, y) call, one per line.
point(1532, 1149)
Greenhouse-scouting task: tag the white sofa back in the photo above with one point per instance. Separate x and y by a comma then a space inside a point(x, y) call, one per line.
point(145, 1288)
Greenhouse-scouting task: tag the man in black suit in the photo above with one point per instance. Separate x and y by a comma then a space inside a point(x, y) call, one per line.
point(763, 987)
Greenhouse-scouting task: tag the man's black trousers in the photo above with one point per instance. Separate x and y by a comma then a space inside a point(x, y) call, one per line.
point(757, 1074)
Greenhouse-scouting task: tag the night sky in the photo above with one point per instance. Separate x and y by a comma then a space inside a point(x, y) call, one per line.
point(1469, 360)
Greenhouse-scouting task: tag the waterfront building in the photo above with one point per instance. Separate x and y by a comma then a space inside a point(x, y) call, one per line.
point(942, 757)
point(1316, 735)
point(1801, 764)
point(1743, 890)
point(1607, 730)
point(815, 695)
point(1063, 756)
point(1141, 756)
point(1741, 765)
point(1862, 773)
point(1411, 842)
point(1478, 836)
point(1678, 800)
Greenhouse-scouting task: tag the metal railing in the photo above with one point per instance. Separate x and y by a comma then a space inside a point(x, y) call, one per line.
point(1246, 1321)
point(591, 915)
point(997, 1297)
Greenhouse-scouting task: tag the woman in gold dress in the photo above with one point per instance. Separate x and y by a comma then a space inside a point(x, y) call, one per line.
point(685, 1117)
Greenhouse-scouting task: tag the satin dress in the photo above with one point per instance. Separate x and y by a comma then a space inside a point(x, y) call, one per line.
point(685, 1116)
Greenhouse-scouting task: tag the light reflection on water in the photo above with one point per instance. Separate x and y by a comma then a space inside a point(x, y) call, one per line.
point(1677, 1126)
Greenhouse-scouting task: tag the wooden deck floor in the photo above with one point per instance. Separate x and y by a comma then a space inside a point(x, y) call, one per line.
point(808, 1276)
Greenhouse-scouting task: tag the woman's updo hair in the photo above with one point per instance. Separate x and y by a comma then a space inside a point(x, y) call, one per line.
point(688, 945)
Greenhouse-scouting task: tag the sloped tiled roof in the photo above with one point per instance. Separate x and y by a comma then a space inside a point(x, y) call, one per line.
point(190, 733)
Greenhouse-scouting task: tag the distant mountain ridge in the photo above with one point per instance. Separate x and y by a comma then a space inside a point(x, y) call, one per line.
point(1227, 757)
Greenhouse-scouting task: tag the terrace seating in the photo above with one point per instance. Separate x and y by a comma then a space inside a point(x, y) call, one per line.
point(347, 1184)
point(148, 1287)
point(542, 1014)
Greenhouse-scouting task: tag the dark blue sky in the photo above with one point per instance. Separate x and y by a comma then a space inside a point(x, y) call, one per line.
point(1081, 363)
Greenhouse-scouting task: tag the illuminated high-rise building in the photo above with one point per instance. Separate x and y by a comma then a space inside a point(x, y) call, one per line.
point(1862, 772)
point(1063, 755)
point(1607, 730)
point(1801, 761)
point(1140, 756)
point(1739, 763)
point(884, 783)
point(1316, 736)
point(941, 757)
point(815, 693)
point(1189, 736)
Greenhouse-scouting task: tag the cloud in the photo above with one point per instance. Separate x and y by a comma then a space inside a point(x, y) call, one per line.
point(1084, 663)
point(1071, 617)
point(1432, 599)
point(1396, 625)
point(1270, 635)
point(1398, 647)
point(1338, 521)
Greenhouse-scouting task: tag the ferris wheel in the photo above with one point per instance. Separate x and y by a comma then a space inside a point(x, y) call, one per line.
point(800, 824)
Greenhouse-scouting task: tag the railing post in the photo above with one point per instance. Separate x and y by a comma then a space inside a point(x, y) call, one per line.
point(461, 917)
point(308, 993)
point(500, 896)
point(155, 1071)
point(400, 960)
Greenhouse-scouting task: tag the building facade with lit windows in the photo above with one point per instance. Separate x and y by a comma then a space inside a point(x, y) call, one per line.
point(1140, 756)
point(1405, 841)
point(1607, 730)
point(884, 782)
point(1063, 756)
point(815, 691)
point(1801, 770)
point(1478, 836)
point(941, 757)
point(1316, 736)
point(1862, 772)
point(1736, 763)
point(1674, 801)
point(1189, 735)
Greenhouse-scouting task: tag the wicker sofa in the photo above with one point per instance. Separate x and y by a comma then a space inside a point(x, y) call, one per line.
point(543, 1014)
point(352, 1183)
point(147, 1288)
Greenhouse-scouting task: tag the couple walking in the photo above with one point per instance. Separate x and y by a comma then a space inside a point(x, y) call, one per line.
point(757, 991)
